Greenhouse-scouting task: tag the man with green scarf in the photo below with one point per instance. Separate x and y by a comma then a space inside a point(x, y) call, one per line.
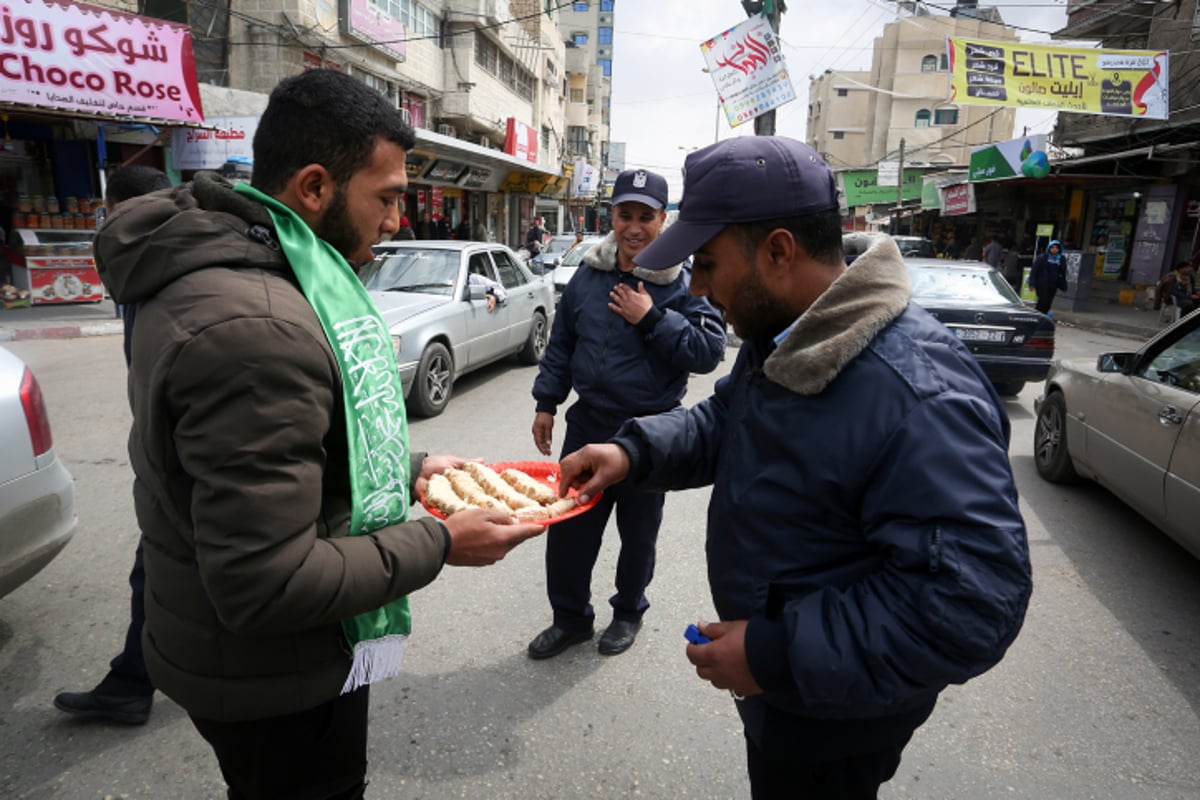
point(270, 447)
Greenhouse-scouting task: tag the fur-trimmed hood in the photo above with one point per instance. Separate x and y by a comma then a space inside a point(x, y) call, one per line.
point(603, 256)
point(873, 291)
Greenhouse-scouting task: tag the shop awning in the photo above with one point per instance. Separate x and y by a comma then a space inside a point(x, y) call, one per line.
point(445, 161)
point(1149, 153)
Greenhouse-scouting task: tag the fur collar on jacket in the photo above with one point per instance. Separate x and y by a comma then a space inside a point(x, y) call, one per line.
point(864, 299)
point(603, 256)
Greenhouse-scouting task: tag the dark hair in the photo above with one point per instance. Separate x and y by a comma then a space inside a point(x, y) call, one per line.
point(134, 181)
point(819, 234)
point(324, 117)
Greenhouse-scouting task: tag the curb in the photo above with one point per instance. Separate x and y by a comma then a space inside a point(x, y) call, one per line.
point(1104, 326)
point(113, 328)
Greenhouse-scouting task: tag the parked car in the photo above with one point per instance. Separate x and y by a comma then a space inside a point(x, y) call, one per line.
point(37, 493)
point(1013, 343)
point(1131, 422)
point(441, 325)
point(915, 246)
point(569, 265)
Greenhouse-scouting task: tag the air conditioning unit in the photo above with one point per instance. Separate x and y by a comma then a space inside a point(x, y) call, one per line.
point(406, 115)
point(491, 12)
point(447, 130)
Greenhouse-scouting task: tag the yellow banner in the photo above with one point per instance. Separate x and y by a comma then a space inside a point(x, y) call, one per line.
point(1117, 83)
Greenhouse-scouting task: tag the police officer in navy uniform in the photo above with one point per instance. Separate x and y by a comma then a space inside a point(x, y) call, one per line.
point(625, 339)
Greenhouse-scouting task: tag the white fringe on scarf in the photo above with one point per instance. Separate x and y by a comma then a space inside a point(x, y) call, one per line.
point(375, 660)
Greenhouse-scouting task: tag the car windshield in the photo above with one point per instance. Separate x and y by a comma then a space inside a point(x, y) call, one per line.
point(415, 270)
point(557, 244)
point(914, 246)
point(573, 258)
point(960, 286)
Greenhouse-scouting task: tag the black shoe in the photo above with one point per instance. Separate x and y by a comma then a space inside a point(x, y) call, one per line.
point(127, 709)
point(554, 640)
point(618, 637)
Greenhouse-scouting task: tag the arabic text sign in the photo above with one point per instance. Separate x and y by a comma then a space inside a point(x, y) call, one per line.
point(1122, 83)
point(85, 58)
point(369, 22)
point(861, 187)
point(196, 148)
point(748, 69)
point(1009, 159)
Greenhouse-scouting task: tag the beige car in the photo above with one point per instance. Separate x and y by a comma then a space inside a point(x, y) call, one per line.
point(1131, 422)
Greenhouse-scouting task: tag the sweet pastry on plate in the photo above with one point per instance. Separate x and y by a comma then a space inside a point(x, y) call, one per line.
point(511, 492)
point(529, 487)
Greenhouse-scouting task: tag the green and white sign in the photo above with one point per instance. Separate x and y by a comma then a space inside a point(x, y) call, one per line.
point(1016, 158)
point(862, 188)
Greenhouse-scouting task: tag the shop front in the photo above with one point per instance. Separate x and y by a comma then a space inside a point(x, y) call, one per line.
point(80, 86)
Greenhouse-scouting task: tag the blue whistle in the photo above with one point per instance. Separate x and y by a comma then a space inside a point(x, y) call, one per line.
point(693, 635)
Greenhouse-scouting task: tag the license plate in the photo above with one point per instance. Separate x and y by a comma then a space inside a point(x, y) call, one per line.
point(981, 335)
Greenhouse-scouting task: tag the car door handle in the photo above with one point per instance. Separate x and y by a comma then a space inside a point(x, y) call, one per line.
point(1169, 415)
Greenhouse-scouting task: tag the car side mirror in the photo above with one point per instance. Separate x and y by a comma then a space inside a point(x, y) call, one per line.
point(476, 292)
point(1114, 362)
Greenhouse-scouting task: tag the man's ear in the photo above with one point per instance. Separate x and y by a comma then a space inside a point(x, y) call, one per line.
point(309, 191)
point(780, 249)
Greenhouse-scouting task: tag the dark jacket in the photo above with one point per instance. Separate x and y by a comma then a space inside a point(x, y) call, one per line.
point(863, 514)
point(619, 369)
point(1048, 271)
point(240, 456)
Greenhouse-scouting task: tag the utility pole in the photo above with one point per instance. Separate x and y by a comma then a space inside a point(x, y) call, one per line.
point(899, 191)
point(764, 124)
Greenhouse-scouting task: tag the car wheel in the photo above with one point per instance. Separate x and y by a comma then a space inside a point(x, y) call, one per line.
point(433, 381)
point(1050, 451)
point(535, 345)
point(1009, 388)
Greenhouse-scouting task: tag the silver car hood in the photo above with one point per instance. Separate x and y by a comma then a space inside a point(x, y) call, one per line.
point(395, 307)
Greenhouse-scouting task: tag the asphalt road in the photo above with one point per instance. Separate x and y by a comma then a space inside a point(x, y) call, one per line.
point(1098, 698)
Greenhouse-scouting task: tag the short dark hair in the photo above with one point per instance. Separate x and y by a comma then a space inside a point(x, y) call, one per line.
point(820, 234)
point(324, 117)
point(132, 181)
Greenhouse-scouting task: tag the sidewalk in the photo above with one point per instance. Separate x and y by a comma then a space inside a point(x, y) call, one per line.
point(69, 321)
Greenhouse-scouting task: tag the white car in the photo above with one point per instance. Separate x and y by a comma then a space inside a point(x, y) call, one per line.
point(37, 494)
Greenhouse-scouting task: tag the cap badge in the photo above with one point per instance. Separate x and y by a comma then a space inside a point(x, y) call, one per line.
point(639, 180)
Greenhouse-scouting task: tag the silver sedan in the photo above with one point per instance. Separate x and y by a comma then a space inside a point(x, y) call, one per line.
point(434, 298)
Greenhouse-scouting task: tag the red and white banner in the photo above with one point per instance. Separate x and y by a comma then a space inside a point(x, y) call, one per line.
point(77, 57)
point(958, 199)
point(521, 141)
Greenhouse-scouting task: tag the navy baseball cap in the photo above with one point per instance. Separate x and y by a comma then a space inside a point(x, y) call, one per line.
point(640, 186)
point(747, 179)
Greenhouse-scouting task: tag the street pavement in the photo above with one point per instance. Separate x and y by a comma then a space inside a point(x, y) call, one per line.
point(100, 319)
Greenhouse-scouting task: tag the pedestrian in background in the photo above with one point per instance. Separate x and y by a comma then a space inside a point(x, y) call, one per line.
point(624, 340)
point(536, 236)
point(126, 693)
point(1048, 275)
point(270, 448)
point(865, 548)
point(404, 232)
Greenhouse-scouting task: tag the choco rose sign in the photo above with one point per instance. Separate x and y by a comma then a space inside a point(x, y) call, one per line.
point(82, 58)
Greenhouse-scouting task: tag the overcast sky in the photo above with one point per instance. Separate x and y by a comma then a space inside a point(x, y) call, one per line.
point(663, 104)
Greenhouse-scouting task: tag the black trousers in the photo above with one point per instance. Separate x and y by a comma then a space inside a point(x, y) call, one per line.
point(572, 546)
point(851, 778)
point(1045, 299)
point(127, 672)
point(319, 754)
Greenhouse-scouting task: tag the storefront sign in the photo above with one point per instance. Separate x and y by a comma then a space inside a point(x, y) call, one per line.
point(862, 188)
point(1044, 230)
point(958, 199)
point(521, 141)
point(443, 170)
point(63, 280)
point(887, 173)
point(197, 148)
point(90, 59)
point(371, 23)
point(476, 177)
point(1012, 159)
point(748, 69)
point(414, 163)
point(1120, 83)
point(586, 179)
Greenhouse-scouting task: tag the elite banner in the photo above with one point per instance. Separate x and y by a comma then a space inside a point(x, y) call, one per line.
point(1118, 83)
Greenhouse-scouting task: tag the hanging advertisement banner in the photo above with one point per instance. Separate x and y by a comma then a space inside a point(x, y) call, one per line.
point(958, 199)
point(1024, 157)
point(748, 70)
point(520, 140)
point(861, 187)
point(372, 24)
point(585, 180)
point(198, 148)
point(1116, 83)
point(77, 57)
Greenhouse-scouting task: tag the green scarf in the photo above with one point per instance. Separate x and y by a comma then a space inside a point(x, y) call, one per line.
point(375, 424)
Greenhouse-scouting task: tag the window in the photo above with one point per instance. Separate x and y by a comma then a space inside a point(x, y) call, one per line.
point(580, 6)
point(577, 140)
point(418, 20)
point(945, 62)
point(606, 5)
point(604, 35)
point(579, 38)
point(945, 116)
point(507, 71)
point(510, 274)
point(416, 109)
point(487, 55)
point(922, 120)
point(839, 134)
point(577, 95)
point(929, 64)
point(843, 92)
point(605, 66)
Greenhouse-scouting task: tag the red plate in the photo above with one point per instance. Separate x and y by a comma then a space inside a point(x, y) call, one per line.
point(544, 471)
